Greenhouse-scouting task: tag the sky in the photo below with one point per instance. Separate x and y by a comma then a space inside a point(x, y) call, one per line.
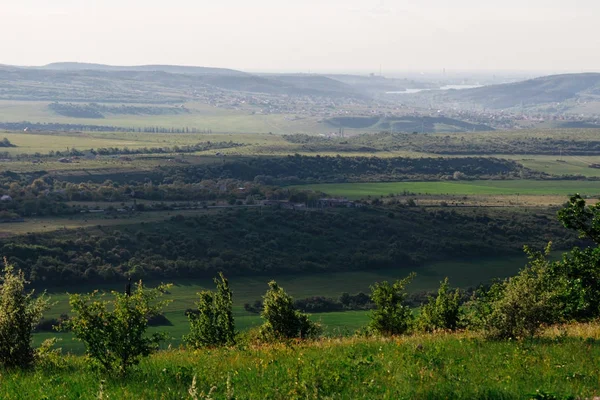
point(306, 35)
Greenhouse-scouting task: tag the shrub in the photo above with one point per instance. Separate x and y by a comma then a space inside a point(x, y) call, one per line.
point(20, 312)
point(391, 316)
point(212, 323)
point(282, 320)
point(443, 311)
point(529, 300)
point(114, 331)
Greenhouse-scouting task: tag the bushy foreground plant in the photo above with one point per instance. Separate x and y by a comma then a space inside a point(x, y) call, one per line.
point(114, 331)
point(521, 305)
point(212, 324)
point(442, 311)
point(282, 320)
point(20, 312)
point(391, 315)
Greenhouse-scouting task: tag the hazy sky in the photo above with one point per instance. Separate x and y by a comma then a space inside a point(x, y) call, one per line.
point(304, 35)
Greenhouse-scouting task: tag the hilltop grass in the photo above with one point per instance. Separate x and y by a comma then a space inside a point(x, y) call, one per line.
point(562, 363)
point(477, 187)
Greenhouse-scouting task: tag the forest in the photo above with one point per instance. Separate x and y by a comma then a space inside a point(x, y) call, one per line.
point(253, 241)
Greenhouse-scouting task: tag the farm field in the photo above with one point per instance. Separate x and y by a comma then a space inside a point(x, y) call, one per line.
point(468, 273)
point(200, 116)
point(479, 187)
point(50, 224)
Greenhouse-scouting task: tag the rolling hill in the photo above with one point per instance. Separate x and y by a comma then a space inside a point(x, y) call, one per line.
point(533, 92)
point(172, 69)
point(153, 83)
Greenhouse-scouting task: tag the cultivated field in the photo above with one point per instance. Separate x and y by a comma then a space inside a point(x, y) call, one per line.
point(492, 187)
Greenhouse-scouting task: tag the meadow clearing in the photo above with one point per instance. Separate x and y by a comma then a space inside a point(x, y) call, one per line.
point(464, 274)
point(477, 187)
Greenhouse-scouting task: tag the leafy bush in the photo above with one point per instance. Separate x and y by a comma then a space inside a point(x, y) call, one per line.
point(443, 311)
point(391, 316)
point(212, 324)
point(282, 320)
point(532, 298)
point(20, 312)
point(114, 331)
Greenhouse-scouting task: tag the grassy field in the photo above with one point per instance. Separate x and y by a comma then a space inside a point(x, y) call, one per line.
point(248, 289)
point(479, 187)
point(562, 364)
point(201, 116)
point(50, 224)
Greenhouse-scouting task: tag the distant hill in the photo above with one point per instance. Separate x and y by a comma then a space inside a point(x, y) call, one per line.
point(153, 84)
point(315, 83)
point(375, 84)
point(172, 69)
point(547, 89)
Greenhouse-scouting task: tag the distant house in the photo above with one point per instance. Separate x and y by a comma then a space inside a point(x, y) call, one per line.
point(330, 203)
point(6, 198)
point(283, 204)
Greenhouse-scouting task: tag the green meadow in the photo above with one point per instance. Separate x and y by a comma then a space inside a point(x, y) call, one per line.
point(478, 187)
point(463, 274)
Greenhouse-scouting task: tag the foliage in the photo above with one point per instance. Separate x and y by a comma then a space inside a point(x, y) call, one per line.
point(114, 331)
point(529, 300)
point(20, 312)
point(244, 242)
point(282, 320)
point(443, 311)
point(6, 143)
point(391, 315)
point(213, 323)
point(582, 218)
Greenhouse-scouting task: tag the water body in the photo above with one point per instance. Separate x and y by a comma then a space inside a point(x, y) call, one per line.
point(446, 87)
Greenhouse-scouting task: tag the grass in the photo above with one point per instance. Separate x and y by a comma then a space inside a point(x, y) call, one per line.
point(478, 187)
point(248, 289)
point(201, 116)
point(51, 224)
point(562, 363)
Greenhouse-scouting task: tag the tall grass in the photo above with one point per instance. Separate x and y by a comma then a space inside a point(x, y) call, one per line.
point(563, 362)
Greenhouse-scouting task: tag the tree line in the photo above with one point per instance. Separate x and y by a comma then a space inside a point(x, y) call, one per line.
point(243, 242)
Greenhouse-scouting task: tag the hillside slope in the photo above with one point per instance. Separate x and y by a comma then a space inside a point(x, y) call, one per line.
point(547, 89)
point(152, 84)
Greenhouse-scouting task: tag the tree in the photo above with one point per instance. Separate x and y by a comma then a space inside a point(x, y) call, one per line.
point(585, 219)
point(581, 267)
point(282, 320)
point(443, 311)
point(213, 323)
point(20, 312)
point(391, 316)
point(114, 331)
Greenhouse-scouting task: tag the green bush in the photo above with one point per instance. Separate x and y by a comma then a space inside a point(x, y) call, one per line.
point(212, 324)
point(443, 311)
point(391, 315)
point(114, 331)
point(20, 312)
point(282, 320)
point(529, 300)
